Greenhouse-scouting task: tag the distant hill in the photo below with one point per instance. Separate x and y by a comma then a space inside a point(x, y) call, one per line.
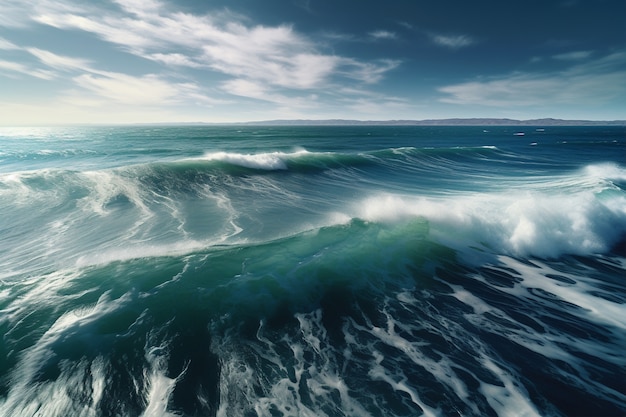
point(427, 122)
point(438, 122)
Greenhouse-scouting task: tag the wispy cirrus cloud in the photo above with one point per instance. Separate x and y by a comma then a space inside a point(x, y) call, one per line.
point(593, 82)
point(368, 72)
point(110, 86)
point(190, 59)
point(452, 41)
point(143, 90)
point(59, 61)
point(383, 35)
point(175, 59)
point(16, 68)
point(6, 45)
point(14, 14)
point(52, 63)
point(276, 56)
point(259, 91)
point(29, 69)
point(181, 61)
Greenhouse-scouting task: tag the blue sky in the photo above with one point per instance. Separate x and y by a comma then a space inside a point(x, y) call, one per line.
point(127, 61)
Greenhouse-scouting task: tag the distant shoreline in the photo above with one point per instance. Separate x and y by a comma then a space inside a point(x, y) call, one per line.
point(479, 122)
point(425, 122)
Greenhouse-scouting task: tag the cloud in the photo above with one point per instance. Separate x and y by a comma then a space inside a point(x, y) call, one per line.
point(259, 91)
point(15, 67)
point(13, 14)
point(368, 73)
point(452, 41)
point(140, 8)
point(594, 82)
point(58, 61)
point(108, 28)
point(275, 56)
point(6, 45)
point(146, 90)
point(47, 58)
point(190, 60)
point(270, 55)
point(247, 88)
point(175, 59)
point(383, 35)
point(96, 85)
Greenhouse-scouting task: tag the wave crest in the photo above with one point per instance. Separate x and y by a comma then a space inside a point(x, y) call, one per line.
point(541, 225)
point(266, 161)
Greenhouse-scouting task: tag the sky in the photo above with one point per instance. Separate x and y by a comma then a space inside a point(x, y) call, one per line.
point(155, 61)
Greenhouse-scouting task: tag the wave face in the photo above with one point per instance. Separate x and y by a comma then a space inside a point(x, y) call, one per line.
point(312, 271)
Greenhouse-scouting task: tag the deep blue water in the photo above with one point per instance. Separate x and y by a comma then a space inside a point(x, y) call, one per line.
point(313, 271)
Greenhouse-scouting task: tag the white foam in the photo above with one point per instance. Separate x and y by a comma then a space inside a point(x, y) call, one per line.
point(510, 399)
point(98, 382)
point(158, 386)
point(575, 301)
point(441, 370)
point(479, 306)
point(15, 187)
point(308, 384)
point(266, 161)
point(540, 224)
point(599, 310)
point(34, 294)
point(606, 171)
point(57, 398)
point(107, 185)
point(26, 395)
point(515, 331)
point(379, 373)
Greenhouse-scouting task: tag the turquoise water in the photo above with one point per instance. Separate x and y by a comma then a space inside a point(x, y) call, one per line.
point(312, 271)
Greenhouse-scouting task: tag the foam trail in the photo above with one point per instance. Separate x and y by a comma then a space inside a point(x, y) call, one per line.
point(158, 387)
point(583, 294)
point(379, 373)
point(31, 393)
point(509, 399)
point(307, 382)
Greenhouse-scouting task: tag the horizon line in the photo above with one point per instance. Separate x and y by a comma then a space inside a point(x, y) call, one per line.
point(452, 121)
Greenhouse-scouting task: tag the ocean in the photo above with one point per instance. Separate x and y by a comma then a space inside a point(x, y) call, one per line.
point(313, 271)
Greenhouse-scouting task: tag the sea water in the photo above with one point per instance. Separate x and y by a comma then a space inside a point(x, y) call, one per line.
point(312, 271)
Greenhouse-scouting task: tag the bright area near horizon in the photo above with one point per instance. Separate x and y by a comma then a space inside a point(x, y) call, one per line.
point(148, 61)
